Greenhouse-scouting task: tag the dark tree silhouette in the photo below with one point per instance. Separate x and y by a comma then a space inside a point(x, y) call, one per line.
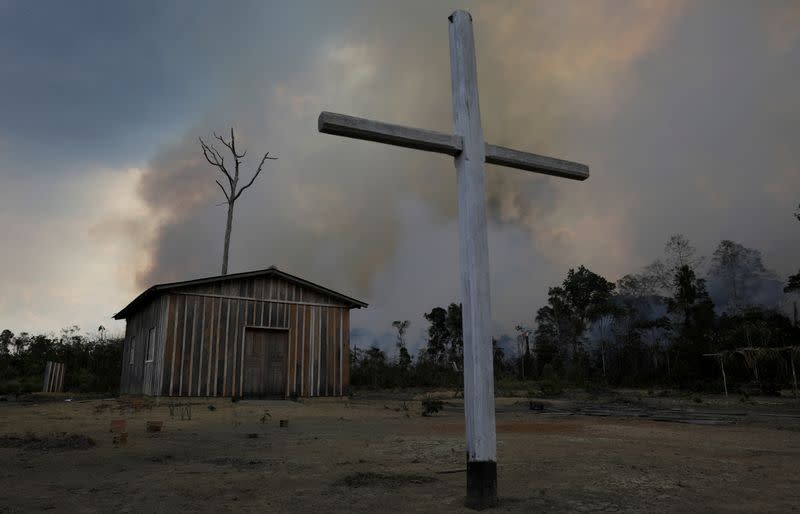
point(794, 280)
point(736, 264)
point(680, 252)
point(403, 357)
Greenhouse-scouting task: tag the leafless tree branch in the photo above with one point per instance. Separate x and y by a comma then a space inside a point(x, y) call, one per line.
point(227, 144)
point(261, 165)
point(223, 191)
point(212, 159)
point(215, 159)
point(230, 145)
point(233, 147)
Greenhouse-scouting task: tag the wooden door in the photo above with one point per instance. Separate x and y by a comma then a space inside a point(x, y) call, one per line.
point(265, 353)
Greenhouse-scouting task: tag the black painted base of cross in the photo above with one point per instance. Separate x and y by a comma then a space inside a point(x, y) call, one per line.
point(466, 144)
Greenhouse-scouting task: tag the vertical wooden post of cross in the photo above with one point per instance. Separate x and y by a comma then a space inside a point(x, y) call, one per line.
point(474, 257)
point(470, 151)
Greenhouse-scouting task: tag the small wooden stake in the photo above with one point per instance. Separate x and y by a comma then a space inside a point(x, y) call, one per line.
point(722, 365)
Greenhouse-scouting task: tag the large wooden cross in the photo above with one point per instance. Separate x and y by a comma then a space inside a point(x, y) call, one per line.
point(466, 144)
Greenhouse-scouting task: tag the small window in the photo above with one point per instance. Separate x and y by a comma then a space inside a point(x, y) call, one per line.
point(151, 347)
point(133, 349)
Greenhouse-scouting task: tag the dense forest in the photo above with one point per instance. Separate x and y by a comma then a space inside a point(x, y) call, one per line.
point(92, 362)
point(657, 328)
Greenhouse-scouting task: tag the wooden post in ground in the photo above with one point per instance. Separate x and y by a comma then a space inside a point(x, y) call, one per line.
point(724, 379)
point(46, 381)
point(474, 257)
point(722, 365)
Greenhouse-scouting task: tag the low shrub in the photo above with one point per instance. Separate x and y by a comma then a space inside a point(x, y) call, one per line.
point(431, 406)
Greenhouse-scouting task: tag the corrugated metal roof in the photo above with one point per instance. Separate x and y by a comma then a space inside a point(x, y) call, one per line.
point(272, 270)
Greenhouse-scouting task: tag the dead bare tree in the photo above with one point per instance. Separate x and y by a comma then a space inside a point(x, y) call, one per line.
point(216, 159)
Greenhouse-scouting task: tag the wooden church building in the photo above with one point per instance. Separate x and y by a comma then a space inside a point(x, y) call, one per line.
point(255, 334)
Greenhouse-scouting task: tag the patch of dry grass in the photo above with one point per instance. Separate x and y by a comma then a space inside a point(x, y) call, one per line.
point(370, 479)
point(54, 441)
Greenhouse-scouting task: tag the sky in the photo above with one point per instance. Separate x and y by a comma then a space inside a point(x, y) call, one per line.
point(687, 114)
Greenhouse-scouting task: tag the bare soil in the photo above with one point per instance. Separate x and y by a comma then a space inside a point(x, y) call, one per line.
point(628, 452)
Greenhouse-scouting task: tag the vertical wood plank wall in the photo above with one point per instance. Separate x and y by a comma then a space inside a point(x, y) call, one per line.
point(53, 377)
point(143, 376)
point(201, 329)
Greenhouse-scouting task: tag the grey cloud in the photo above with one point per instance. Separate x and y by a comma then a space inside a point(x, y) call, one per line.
point(685, 112)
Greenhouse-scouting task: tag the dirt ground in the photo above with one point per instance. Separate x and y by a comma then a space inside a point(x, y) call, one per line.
point(617, 454)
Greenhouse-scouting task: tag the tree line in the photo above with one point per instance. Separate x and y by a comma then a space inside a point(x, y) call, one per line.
point(655, 328)
point(92, 362)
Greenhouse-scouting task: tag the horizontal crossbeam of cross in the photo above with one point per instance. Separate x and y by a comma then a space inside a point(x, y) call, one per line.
point(431, 141)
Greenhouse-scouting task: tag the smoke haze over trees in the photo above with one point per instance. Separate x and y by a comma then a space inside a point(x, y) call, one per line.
point(650, 328)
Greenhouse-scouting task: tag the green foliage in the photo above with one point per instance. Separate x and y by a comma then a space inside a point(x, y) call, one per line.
point(368, 367)
point(403, 357)
point(445, 335)
point(691, 300)
point(583, 297)
point(438, 365)
point(6, 338)
point(652, 329)
point(91, 365)
point(655, 327)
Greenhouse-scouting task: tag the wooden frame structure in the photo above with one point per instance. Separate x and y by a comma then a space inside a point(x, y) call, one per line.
point(751, 354)
point(196, 332)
